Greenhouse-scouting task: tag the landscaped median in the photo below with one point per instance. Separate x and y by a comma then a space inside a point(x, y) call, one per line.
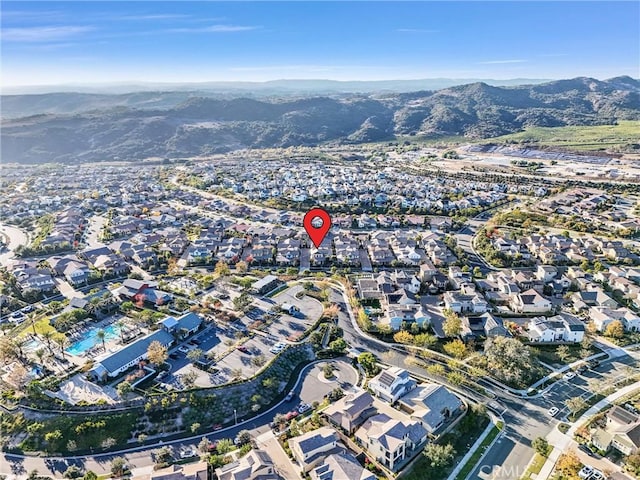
point(478, 453)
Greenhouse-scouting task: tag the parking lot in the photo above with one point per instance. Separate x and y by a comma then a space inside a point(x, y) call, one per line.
point(236, 346)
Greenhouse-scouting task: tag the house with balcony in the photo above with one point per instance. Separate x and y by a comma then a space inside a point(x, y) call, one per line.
point(391, 384)
point(390, 441)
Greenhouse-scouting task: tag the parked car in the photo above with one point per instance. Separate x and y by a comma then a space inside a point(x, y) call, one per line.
point(183, 349)
point(242, 349)
point(553, 411)
point(596, 475)
point(569, 375)
point(586, 449)
point(27, 309)
point(291, 415)
point(216, 426)
point(585, 472)
point(187, 453)
point(304, 407)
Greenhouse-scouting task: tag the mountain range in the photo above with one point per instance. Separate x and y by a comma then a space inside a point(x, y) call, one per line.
point(80, 127)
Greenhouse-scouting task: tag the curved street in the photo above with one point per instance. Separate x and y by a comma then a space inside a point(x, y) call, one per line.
point(525, 418)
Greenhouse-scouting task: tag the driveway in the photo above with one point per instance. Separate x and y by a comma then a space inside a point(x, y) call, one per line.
point(66, 289)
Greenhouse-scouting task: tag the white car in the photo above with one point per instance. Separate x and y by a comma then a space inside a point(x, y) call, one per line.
point(585, 472)
point(596, 475)
point(303, 408)
point(188, 453)
point(553, 411)
point(184, 349)
point(569, 375)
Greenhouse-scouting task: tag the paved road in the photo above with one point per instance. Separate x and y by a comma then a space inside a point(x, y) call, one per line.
point(310, 387)
point(15, 238)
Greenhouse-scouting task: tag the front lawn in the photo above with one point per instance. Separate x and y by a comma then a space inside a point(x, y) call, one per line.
point(549, 354)
point(534, 467)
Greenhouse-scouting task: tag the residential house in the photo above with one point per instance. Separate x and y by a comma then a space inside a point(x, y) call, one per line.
point(309, 449)
point(546, 273)
point(463, 303)
point(559, 328)
point(530, 301)
point(350, 411)
point(190, 471)
point(256, 465)
point(391, 384)
point(391, 441)
point(140, 291)
point(582, 300)
point(431, 405)
point(621, 432)
point(603, 316)
point(341, 466)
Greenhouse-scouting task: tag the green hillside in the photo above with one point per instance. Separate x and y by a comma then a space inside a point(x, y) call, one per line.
point(622, 137)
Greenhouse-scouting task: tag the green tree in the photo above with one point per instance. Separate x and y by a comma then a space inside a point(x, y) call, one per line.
point(124, 388)
point(118, 465)
point(90, 476)
point(224, 446)
point(438, 455)
point(509, 360)
point(452, 325)
point(403, 337)
point(575, 404)
point(615, 329)
point(541, 445)
point(72, 471)
point(563, 353)
point(456, 348)
point(425, 340)
point(368, 362)
point(222, 269)
point(157, 353)
point(338, 345)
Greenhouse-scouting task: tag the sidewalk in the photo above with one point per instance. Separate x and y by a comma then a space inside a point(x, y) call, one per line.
point(561, 441)
point(463, 462)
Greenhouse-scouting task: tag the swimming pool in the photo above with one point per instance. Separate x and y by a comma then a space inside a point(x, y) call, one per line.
point(89, 339)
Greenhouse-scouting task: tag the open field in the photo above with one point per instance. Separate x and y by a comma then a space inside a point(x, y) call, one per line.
point(588, 138)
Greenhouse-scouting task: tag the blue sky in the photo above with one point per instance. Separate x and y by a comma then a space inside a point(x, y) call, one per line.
point(101, 42)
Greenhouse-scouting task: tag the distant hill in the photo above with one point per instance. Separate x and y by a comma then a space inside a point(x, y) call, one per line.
point(72, 127)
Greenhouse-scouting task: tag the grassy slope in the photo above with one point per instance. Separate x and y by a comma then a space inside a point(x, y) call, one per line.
point(598, 137)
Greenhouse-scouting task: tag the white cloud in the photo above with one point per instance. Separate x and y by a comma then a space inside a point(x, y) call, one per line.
point(155, 16)
point(498, 62)
point(214, 29)
point(42, 34)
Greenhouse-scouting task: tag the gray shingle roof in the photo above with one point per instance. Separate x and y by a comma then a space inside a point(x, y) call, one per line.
point(132, 351)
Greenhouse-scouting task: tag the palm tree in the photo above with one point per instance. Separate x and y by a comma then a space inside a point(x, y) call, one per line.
point(101, 334)
point(62, 342)
point(40, 353)
point(47, 337)
point(32, 317)
point(120, 325)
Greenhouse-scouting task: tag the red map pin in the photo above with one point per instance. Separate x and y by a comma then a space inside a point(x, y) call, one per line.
point(316, 231)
